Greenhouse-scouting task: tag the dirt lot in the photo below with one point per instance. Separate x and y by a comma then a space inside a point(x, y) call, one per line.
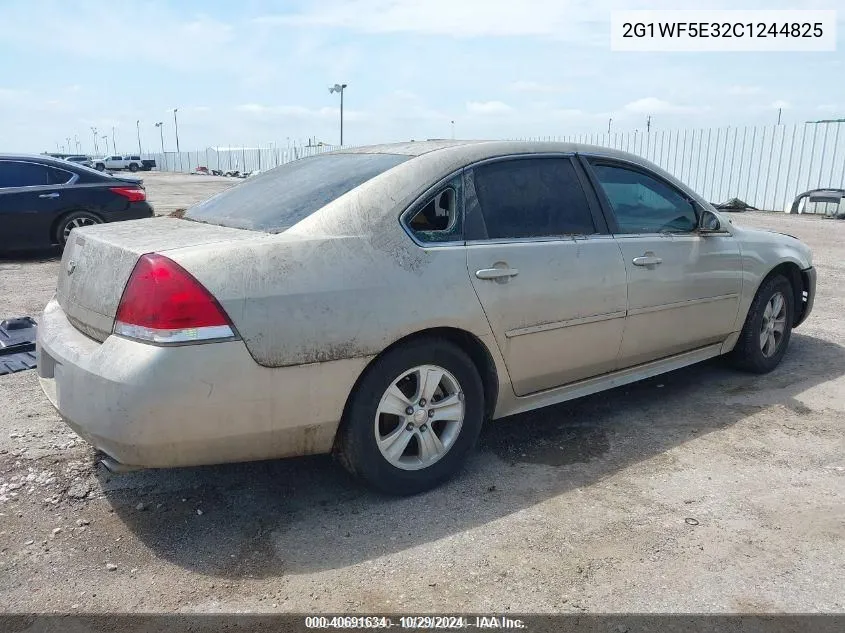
point(701, 490)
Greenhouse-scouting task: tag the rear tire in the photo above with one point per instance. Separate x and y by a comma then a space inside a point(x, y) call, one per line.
point(768, 327)
point(72, 220)
point(406, 453)
point(133, 167)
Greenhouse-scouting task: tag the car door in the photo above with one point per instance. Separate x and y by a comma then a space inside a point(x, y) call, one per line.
point(683, 285)
point(550, 278)
point(30, 198)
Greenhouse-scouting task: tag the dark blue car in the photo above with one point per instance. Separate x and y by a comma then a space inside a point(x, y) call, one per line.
point(42, 199)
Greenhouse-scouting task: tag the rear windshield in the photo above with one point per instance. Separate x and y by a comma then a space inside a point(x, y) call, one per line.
point(278, 199)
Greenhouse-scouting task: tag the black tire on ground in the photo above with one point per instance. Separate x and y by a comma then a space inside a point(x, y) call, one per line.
point(748, 352)
point(133, 167)
point(356, 447)
point(100, 167)
point(80, 217)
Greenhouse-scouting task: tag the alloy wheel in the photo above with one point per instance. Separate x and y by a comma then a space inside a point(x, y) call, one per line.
point(419, 417)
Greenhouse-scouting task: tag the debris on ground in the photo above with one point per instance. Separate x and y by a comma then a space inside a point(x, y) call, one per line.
point(734, 204)
point(825, 196)
point(17, 344)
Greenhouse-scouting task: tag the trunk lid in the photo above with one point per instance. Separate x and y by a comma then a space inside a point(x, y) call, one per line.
point(98, 261)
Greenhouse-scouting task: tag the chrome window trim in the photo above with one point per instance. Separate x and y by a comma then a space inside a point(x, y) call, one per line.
point(542, 239)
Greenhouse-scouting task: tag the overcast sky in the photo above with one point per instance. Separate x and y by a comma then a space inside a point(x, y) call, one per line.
point(253, 72)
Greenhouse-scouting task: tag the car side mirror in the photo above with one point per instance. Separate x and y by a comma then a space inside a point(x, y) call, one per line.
point(709, 222)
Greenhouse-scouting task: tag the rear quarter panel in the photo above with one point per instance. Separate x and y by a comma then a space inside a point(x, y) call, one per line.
point(297, 300)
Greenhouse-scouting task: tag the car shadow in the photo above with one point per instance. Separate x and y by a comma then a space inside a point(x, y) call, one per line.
point(303, 515)
point(31, 255)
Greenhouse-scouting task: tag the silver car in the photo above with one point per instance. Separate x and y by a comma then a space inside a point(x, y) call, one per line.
point(382, 303)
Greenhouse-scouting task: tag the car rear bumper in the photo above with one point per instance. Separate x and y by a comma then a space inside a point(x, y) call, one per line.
point(156, 406)
point(132, 211)
point(808, 276)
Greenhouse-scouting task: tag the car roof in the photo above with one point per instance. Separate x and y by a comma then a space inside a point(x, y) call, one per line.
point(478, 149)
point(37, 158)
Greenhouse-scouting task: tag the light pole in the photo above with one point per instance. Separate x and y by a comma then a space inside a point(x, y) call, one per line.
point(453, 130)
point(113, 144)
point(138, 129)
point(76, 140)
point(105, 138)
point(176, 125)
point(160, 126)
point(68, 143)
point(96, 148)
point(339, 88)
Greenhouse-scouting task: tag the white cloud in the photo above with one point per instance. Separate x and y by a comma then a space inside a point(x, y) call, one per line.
point(653, 105)
point(153, 32)
point(572, 19)
point(488, 107)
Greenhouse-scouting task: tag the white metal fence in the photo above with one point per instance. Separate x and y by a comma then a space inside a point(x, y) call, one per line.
point(228, 159)
point(765, 166)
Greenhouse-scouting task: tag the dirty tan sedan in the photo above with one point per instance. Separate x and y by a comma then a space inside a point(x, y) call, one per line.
point(383, 302)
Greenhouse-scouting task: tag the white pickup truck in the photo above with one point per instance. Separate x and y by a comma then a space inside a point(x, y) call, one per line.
point(114, 163)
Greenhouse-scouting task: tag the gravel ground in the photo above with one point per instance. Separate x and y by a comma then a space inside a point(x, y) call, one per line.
point(702, 490)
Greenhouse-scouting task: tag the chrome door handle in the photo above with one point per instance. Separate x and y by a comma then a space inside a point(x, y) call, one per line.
point(649, 259)
point(496, 273)
point(49, 195)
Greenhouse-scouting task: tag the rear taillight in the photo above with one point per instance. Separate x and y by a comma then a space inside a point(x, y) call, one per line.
point(164, 303)
point(133, 194)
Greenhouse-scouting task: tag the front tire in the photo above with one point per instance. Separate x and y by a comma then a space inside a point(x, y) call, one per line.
point(100, 167)
point(768, 327)
point(73, 220)
point(413, 418)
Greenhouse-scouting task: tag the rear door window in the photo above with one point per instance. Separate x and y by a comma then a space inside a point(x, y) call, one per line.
point(532, 198)
point(22, 174)
point(277, 199)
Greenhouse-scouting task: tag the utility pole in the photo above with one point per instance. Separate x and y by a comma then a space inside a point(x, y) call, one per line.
point(105, 138)
point(609, 121)
point(453, 130)
point(96, 148)
point(76, 140)
point(113, 144)
point(138, 129)
point(339, 88)
point(648, 124)
point(160, 126)
point(176, 125)
point(780, 111)
point(68, 144)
